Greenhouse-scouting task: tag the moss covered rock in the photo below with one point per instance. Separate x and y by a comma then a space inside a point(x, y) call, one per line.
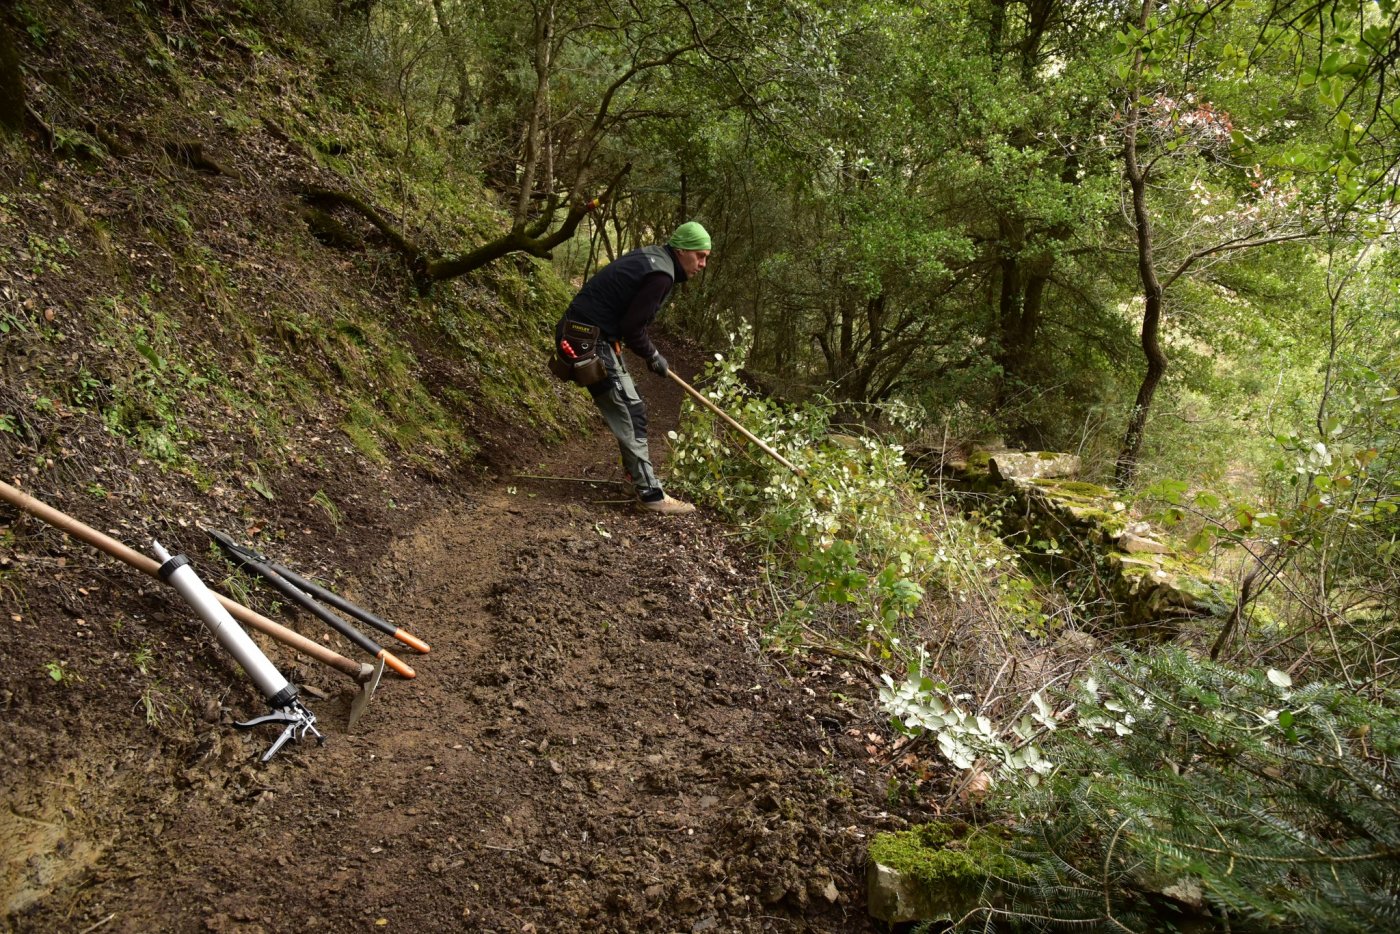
point(1082, 528)
point(938, 871)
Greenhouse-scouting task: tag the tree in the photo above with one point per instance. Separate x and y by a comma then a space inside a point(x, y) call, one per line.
point(1171, 134)
point(911, 222)
point(618, 61)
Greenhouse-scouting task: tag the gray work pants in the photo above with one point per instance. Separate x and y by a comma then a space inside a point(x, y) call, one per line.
point(626, 414)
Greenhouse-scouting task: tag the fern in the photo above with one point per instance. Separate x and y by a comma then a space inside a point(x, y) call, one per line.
point(1233, 799)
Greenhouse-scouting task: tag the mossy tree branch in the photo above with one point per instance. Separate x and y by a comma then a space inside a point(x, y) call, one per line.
point(323, 197)
point(428, 266)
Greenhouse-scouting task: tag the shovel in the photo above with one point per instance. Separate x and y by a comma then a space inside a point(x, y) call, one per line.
point(700, 397)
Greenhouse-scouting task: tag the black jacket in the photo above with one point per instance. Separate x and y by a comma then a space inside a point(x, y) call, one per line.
point(623, 297)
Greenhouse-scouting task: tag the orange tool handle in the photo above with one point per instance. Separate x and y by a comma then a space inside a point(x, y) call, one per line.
point(412, 641)
point(395, 663)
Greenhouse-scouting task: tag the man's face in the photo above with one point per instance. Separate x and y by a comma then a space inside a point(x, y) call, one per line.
point(692, 261)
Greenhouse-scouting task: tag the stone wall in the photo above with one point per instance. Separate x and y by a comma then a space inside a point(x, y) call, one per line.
point(1084, 530)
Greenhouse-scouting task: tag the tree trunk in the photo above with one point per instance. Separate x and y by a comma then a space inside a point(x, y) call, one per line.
point(11, 83)
point(1009, 302)
point(1019, 311)
point(996, 28)
point(544, 40)
point(353, 9)
point(464, 100)
point(1128, 454)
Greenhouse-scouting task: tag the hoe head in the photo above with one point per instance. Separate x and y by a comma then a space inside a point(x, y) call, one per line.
point(367, 689)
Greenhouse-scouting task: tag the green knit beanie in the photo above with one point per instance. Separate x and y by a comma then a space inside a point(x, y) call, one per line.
point(690, 236)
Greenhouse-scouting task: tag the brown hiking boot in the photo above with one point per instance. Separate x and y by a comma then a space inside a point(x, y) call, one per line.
point(666, 506)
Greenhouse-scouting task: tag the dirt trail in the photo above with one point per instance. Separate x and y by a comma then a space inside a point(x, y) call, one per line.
point(593, 744)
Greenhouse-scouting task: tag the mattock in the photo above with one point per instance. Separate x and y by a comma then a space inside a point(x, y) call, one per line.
point(365, 695)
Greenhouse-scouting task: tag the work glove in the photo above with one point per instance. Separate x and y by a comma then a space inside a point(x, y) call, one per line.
point(658, 364)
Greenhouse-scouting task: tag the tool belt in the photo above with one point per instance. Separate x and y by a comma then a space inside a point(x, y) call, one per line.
point(575, 358)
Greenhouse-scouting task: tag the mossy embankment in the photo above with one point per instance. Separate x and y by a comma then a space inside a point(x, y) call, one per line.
point(1084, 536)
point(182, 346)
point(190, 310)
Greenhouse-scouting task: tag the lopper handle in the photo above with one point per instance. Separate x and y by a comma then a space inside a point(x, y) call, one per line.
point(412, 641)
point(250, 561)
point(363, 615)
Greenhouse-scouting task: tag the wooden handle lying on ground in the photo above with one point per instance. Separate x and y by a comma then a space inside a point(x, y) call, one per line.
point(294, 640)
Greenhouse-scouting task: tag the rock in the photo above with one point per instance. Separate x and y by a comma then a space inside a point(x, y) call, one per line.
point(773, 891)
point(1032, 465)
point(944, 871)
point(1074, 643)
point(893, 897)
point(823, 886)
point(1134, 544)
point(1188, 891)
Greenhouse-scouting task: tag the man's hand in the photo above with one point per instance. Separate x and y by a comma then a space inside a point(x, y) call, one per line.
point(658, 364)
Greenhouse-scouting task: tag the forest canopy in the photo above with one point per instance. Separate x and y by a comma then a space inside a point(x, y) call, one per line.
point(1022, 219)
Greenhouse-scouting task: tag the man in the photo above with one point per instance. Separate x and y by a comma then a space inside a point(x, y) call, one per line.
point(622, 300)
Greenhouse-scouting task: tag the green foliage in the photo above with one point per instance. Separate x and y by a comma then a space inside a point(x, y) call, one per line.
point(1274, 804)
point(941, 853)
point(853, 536)
point(157, 377)
point(46, 257)
point(1318, 521)
point(922, 705)
point(327, 505)
point(162, 708)
point(848, 529)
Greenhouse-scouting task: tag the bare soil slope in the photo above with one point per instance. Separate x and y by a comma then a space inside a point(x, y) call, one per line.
point(592, 744)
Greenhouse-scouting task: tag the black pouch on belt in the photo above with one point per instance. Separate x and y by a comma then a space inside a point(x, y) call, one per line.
point(576, 353)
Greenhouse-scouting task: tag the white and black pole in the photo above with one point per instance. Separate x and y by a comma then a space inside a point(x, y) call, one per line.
point(281, 694)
